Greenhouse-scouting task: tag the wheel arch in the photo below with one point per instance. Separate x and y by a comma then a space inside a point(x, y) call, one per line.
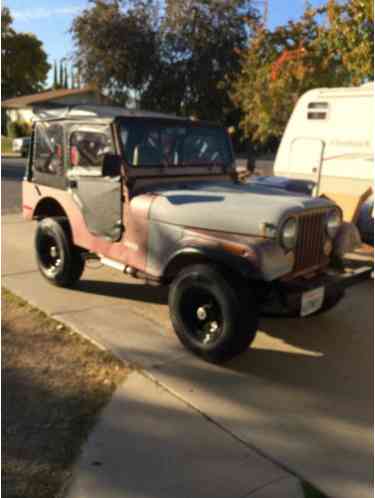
point(50, 208)
point(230, 263)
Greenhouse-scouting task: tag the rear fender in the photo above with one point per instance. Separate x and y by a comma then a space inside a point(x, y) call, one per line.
point(48, 208)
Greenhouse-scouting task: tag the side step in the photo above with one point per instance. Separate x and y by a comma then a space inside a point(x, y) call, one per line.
point(112, 263)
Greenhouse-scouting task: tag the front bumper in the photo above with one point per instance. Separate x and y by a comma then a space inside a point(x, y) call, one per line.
point(285, 298)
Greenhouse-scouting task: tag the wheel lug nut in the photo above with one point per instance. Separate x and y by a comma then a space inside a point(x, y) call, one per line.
point(201, 313)
point(214, 327)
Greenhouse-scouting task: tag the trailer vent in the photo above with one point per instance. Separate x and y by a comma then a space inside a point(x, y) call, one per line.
point(318, 105)
point(317, 110)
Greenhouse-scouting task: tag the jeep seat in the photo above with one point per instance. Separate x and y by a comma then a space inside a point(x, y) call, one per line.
point(146, 155)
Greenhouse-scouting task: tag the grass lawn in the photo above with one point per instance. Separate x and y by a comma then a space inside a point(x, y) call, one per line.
point(54, 384)
point(6, 145)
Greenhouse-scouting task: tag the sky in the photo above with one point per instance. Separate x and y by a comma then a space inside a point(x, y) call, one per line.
point(50, 20)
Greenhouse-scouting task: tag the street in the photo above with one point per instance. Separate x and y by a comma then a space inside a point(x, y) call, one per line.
point(302, 395)
point(12, 171)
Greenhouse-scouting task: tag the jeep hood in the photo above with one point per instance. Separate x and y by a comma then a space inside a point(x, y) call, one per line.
point(228, 207)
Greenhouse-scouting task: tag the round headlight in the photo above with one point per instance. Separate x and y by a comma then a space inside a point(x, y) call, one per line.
point(289, 233)
point(333, 222)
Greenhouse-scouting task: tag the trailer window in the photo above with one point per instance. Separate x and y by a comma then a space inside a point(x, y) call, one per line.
point(317, 110)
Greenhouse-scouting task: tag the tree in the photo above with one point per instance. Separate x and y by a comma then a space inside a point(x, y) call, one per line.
point(66, 77)
point(61, 73)
point(200, 39)
point(72, 78)
point(279, 66)
point(180, 59)
point(116, 46)
point(6, 24)
point(24, 63)
point(351, 34)
point(55, 82)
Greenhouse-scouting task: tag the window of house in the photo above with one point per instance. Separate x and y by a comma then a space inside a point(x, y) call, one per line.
point(48, 148)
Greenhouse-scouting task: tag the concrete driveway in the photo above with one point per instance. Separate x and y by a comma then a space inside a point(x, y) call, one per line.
point(302, 396)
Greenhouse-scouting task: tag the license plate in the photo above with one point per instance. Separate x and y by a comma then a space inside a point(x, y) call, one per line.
point(312, 301)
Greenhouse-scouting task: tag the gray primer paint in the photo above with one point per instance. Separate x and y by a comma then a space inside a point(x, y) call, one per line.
point(228, 207)
point(163, 241)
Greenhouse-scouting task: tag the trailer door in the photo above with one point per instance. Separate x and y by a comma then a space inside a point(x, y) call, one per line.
point(306, 158)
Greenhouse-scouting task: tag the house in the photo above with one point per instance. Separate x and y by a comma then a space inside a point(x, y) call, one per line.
point(23, 108)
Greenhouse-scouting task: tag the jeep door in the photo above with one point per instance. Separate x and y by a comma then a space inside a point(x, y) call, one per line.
point(98, 197)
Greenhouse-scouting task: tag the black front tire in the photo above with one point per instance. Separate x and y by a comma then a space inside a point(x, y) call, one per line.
point(329, 302)
point(214, 315)
point(59, 260)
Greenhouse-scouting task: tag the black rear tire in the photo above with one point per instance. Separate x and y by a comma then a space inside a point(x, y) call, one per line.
point(213, 315)
point(59, 260)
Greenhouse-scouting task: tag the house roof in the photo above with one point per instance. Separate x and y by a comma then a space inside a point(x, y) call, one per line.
point(36, 98)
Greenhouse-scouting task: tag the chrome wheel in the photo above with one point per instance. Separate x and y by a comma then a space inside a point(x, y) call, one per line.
point(50, 254)
point(202, 315)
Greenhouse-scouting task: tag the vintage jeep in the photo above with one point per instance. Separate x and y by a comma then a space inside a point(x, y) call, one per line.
point(158, 198)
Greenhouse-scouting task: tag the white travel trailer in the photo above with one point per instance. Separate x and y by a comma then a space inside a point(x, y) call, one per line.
point(329, 140)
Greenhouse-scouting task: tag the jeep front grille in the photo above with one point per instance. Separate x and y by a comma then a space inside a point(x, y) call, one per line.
point(309, 249)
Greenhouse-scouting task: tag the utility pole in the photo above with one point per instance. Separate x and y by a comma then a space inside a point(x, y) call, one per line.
point(265, 12)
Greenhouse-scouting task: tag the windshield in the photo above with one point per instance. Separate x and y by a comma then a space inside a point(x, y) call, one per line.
point(155, 143)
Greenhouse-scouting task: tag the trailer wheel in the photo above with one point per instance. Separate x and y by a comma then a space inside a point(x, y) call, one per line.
point(59, 260)
point(212, 317)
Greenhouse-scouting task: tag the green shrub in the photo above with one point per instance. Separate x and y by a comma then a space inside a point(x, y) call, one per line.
point(6, 145)
point(18, 129)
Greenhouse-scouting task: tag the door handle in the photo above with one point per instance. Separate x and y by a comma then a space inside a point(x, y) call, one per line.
point(73, 184)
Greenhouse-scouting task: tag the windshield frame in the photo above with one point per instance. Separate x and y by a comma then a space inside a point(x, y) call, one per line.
point(181, 169)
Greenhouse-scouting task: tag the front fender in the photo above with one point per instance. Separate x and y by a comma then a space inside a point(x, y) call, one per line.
point(295, 186)
point(241, 266)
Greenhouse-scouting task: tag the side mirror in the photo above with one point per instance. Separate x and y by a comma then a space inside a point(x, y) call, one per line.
point(111, 165)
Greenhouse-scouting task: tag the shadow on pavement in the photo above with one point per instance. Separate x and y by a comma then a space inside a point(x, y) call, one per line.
point(330, 353)
point(134, 292)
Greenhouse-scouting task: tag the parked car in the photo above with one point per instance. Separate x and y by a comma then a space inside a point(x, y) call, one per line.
point(157, 197)
point(21, 146)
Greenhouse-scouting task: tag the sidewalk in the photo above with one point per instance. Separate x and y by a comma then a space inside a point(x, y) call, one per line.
point(150, 444)
point(299, 402)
